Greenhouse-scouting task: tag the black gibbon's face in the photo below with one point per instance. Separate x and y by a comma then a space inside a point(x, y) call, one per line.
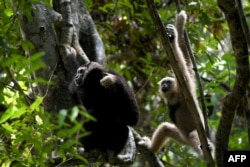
point(79, 75)
point(84, 70)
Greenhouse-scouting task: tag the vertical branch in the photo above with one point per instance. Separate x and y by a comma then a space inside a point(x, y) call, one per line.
point(77, 32)
point(191, 55)
point(243, 22)
point(68, 36)
point(178, 73)
point(232, 100)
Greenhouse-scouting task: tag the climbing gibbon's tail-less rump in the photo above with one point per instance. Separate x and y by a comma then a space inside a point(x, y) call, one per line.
point(183, 128)
point(110, 100)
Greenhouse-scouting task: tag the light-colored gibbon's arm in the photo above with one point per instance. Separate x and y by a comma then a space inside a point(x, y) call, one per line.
point(183, 129)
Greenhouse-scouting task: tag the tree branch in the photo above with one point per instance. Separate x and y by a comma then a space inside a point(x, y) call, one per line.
point(198, 78)
point(243, 22)
point(151, 158)
point(69, 37)
point(97, 156)
point(181, 80)
point(231, 101)
point(78, 30)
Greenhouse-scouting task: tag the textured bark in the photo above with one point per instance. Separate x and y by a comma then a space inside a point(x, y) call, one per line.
point(39, 30)
point(75, 34)
point(233, 99)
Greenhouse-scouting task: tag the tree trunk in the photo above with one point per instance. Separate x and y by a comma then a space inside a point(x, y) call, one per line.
point(233, 99)
point(74, 34)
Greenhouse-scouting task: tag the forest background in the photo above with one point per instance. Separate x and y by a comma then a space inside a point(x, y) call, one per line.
point(29, 81)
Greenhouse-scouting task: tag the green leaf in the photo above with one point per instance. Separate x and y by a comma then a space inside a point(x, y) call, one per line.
point(36, 104)
point(19, 112)
point(62, 116)
point(27, 45)
point(39, 120)
point(69, 132)
point(204, 19)
point(9, 128)
point(8, 12)
point(74, 114)
point(6, 115)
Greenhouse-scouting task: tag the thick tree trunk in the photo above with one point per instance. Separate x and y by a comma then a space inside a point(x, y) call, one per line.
point(75, 34)
point(233, 99)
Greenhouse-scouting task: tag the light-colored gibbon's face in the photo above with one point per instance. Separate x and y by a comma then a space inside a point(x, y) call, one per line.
point(182, 128)
point(168, 88)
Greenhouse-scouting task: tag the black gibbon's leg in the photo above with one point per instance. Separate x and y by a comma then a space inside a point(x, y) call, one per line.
point(107, 97)
point(184, 128)
point(128, 154)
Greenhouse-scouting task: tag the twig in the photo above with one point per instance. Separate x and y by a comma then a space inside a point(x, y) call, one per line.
point(17, 85)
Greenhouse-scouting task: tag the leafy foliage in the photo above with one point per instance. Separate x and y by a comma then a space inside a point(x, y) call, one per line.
point(133, 48)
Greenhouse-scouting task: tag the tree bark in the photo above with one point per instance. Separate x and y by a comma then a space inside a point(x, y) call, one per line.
point(232, 100)
point(75, 32)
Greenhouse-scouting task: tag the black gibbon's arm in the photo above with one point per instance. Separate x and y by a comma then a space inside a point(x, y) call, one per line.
point(107, 97)
point(183, 128)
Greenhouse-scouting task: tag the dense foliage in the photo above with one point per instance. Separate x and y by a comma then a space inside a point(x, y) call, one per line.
point(134, 49)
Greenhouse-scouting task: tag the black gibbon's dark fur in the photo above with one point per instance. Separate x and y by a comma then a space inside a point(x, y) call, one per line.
point(108, 98)
point(183, 129)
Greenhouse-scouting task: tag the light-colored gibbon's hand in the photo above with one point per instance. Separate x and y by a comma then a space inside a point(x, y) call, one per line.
point(183, 129)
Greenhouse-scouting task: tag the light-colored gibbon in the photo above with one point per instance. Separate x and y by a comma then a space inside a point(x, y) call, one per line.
point(183, 129)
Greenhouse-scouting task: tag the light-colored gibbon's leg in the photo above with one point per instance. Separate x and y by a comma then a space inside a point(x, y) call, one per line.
point(183, 128)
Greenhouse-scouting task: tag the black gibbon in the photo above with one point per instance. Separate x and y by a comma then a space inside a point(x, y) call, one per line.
point(109, 99)
point(183, 129)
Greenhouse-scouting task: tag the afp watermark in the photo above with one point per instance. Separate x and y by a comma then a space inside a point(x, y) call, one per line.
point(236, 158)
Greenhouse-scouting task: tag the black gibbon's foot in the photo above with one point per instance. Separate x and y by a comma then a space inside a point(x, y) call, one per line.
point(108, 80)
point(170, 32)
point(119, 159)
point(127, 156)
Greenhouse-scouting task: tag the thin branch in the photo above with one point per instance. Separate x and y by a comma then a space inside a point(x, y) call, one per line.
point(17, 85)
point(178, 73)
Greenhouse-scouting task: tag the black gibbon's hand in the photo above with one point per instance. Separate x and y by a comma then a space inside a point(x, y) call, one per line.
point(108, 80)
